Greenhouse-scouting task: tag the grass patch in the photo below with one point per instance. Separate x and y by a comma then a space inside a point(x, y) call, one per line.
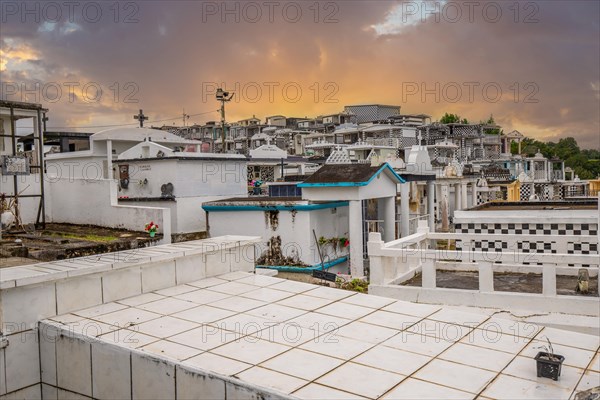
point(356, 285)
point(89, 238)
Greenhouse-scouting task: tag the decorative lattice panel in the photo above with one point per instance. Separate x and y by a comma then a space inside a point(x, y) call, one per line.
point(338, 156)
point(267, 173)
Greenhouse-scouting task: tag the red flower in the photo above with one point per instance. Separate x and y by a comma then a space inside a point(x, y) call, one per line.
point(346, 243)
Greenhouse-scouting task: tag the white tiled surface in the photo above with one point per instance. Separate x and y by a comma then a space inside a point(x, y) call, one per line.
point(27, 354)
point(272, 379)
point(361, 380)
point(152, 380)
point(110, 374)
point(94, 288)
point(457, 376)
point(317, 342)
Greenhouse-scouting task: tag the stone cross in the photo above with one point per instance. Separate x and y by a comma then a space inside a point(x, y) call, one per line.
point(140, 117)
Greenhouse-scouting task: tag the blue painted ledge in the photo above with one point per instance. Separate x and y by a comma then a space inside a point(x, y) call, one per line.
point(286, 207)
point(306, 270)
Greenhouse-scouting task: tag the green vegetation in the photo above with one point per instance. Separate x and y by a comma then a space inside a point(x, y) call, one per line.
point(335, 242)
point(495, 131)
point(356, 285)
point(453, 119)
point(89, 238)
point(585, 163)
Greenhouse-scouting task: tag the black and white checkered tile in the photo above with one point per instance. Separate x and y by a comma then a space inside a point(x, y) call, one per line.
point(487, 245)
point(525, 192)
point(537, 247)
point(532, 247)
point(582, 248)
point(528, 229)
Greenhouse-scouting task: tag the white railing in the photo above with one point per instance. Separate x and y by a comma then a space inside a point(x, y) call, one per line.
point(396, 262)
point(579, 190)
point(377, 225)
point(539, 175)
point(413, 222)
point(374, 225)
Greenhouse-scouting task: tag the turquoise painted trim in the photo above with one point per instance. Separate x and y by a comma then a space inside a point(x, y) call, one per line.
point(333, 184)
point(354, 184)
point(297, 207)
point(305, 270)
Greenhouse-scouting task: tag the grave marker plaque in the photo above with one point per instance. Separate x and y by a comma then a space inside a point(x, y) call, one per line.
point(15, 165)
point(328, 276)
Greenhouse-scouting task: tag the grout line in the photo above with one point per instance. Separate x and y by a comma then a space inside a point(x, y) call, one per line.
point(91, 371)
point(297, 346)
point(433, 358)
point(586, 369)
point(3, 372)
point(9, 394)
point(175, 379)
point(131, 373)
point(325, 355)
point(101, 290)
point(39, 348)
point(530, 340)
point(56, 339)
point(55, 298)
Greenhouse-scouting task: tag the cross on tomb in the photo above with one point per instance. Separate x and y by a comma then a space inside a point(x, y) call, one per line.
point(141, 117)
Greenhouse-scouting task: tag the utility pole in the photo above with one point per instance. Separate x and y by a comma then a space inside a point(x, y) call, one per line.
point(185, 117)
point(223, 96)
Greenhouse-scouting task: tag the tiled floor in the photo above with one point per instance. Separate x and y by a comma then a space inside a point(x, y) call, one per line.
point(317, 342)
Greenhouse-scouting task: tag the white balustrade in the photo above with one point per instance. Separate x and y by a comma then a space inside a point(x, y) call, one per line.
point(398, 261)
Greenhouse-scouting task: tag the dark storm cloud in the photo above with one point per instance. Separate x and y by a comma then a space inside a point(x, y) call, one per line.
point(367, 51)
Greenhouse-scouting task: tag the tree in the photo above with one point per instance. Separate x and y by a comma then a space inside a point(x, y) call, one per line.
point(453, 119)
point(585, 163)
point(514, 148)
point(591, 154)
point(494, 131)
point(566, 147)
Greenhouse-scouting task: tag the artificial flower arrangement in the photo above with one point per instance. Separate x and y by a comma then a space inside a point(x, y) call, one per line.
point(151, 228)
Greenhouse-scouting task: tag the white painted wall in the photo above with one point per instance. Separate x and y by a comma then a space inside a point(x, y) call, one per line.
point(331, 222)
point(558, 216)
point(190, 178)
point(75, 165)
point(80, 201)
point(295, 231)
point(71, 198)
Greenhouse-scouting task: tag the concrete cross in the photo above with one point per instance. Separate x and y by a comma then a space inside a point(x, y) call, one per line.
point(141, 117)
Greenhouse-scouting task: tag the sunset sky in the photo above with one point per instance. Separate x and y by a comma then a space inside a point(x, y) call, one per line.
point(534, 65)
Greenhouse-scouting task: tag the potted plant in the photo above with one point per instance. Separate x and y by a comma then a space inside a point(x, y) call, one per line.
point(548, 364)
point(151, 228)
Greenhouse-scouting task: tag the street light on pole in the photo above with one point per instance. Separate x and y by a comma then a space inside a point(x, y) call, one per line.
point(223, 96)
